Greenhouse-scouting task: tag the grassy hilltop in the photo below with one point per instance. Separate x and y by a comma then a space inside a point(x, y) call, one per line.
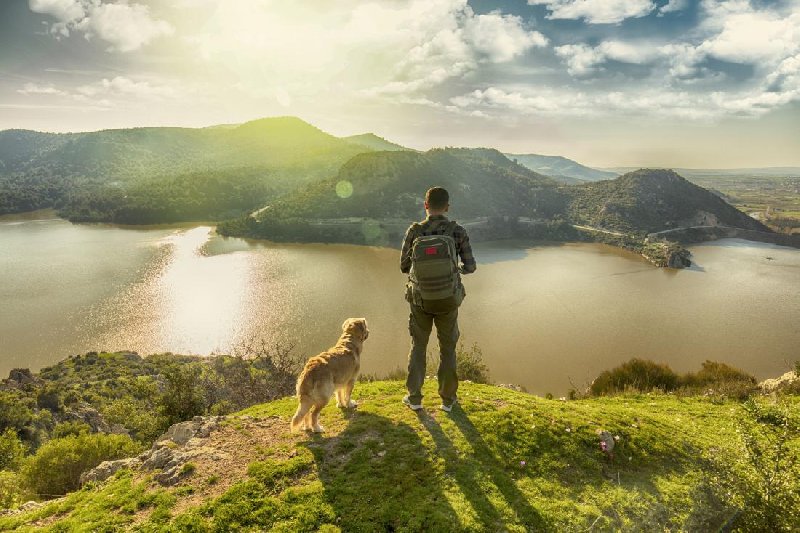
point(502, 461)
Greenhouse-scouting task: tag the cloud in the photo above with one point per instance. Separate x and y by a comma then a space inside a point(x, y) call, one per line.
point(673, 6)
point(123, 86)
point(500, 37)
point(125, 26)
point(651, 102)
point(583, 60)
point(596, 11)
point(33, 88)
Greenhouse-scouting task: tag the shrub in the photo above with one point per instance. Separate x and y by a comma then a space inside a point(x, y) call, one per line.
point(722, 379)
point(182, 398)
point(73, 427)
point(12, 450)
point(12, 491)
point(137, 417)
point(57, 466)
point(638, 374)
point(762, 482)
point(470, 365)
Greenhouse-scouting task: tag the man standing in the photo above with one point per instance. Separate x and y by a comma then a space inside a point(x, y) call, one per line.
point(434, 291)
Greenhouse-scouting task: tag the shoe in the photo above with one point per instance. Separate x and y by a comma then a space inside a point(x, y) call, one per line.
point(447, 408)
point(412, 406)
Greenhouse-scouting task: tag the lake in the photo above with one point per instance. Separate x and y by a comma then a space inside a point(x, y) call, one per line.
point(545, 316)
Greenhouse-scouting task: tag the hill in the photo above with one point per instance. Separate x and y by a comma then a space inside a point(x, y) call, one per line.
point(652, 200)
point(372, 141)
point(561, 168)
point(92, 176)
point(389, 186)
point(503, 460)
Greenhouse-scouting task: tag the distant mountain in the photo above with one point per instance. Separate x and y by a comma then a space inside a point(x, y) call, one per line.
point(372, 141)
point(777, 172)
point(560, 168)
point(88, 175)
point(651, 200)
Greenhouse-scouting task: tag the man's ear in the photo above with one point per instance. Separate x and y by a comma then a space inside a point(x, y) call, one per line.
point(426, 204)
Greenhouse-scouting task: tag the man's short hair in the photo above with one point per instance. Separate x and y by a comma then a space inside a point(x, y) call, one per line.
point(437, 198)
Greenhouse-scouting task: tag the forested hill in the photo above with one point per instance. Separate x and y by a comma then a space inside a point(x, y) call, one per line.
point(112, 174)
point(653, 200)
point(390, 185)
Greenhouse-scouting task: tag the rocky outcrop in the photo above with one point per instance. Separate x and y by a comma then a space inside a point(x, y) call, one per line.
point(171, 455)
point(666, 254)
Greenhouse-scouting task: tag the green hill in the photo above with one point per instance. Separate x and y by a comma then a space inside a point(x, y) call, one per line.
point(372, 141)
point(651, 200)
point(502, 461)
point(113, 175)
point(389, 187)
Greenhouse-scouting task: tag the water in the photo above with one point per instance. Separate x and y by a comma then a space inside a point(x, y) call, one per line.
point(544, 315)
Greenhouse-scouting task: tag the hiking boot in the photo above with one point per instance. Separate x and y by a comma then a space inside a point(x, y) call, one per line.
point(412, 406)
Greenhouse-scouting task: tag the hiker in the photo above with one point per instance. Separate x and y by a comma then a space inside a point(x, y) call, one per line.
point(430, 253)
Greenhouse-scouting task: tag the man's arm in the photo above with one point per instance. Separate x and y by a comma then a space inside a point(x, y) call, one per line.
point(405, 253)
point(465, 251)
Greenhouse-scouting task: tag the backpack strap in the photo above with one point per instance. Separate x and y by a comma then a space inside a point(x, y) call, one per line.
point(451, 228)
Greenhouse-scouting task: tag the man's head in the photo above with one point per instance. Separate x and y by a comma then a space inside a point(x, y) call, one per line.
point(437, 201)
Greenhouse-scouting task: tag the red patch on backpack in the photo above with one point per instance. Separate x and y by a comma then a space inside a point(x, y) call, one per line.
point(431, 250)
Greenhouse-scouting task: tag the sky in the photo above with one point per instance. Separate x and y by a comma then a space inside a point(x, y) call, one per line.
point(673, 83)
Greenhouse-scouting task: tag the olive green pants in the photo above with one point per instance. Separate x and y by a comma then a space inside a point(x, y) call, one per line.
point(420, 324)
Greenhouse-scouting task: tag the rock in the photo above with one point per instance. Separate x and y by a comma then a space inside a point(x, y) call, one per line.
point(89, 415)
point(106, 469)
point(158, 458)
point(30, 506)
point(22, 376)
point(775, 383)
point(182, 432)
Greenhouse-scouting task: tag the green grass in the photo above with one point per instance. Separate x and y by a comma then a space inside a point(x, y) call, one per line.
point(502, 461)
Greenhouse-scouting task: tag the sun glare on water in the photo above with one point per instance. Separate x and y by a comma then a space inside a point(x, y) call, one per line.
point(203, 296)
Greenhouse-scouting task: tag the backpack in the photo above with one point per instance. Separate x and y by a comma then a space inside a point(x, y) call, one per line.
point(434, 270)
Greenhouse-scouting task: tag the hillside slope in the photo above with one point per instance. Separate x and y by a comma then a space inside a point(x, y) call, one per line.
point(503, 460)
point(374, 142)
point(89, 175)
point(651, 200)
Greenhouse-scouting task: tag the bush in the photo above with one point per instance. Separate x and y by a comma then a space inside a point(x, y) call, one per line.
point(470, 365)
point(722, 379)
point(57, 466)
point(12, 451)
point(73, 427)
point(762, 483)
point(182, 398)
point(637, 374)
point(12, 491)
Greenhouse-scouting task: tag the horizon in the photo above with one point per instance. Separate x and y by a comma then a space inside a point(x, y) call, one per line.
point(671, 83)
point(508, 154)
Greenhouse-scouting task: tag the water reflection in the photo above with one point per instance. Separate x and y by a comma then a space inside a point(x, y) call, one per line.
point(542, 314)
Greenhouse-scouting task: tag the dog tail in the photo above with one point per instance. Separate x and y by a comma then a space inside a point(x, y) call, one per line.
point(305, 406)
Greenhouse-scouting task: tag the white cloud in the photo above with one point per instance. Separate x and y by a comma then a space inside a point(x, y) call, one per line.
point(596, 11)
point(652, 102)
point(673, 6)
point(126, 87)
point(125, 26)
point(583, 60)
point(33, 88)
point(395, 50)
point(500, 37)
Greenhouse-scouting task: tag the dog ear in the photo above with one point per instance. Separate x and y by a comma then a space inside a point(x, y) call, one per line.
point(346, 324)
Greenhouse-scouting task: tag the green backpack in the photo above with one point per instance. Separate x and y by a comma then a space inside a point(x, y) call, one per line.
point(434, 270)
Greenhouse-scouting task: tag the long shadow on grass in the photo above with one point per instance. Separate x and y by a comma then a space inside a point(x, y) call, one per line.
point(378, 476)
point(473, 481)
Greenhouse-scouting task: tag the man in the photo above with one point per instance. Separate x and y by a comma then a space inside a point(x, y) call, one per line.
point(430, 256)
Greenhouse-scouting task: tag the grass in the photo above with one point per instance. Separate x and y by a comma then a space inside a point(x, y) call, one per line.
point(502, 460)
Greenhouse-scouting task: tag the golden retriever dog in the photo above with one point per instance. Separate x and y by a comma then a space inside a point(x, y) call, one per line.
point(334, 370)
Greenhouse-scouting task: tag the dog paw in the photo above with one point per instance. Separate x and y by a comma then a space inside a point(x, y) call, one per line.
point(353, 403)
point(319, 429)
